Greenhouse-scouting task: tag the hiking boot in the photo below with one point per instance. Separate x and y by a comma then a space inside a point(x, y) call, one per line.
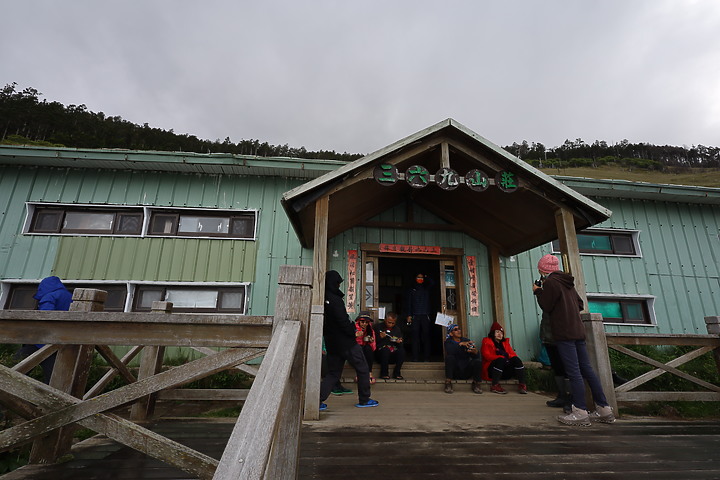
point(369, 403)
point(498, 389)
point(341, 391)
point(559, 402)
point(476, 388)
point(448, 387)
point(323, 407)
point(522, 388)
point(577, 417)
point(602, 415)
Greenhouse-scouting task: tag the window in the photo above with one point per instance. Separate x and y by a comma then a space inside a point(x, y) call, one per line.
point(635, 311)
point(89, 221)
point(118, 220)
point(20, 296)
point(605, 242)
point(194, 223)
point(193, 299)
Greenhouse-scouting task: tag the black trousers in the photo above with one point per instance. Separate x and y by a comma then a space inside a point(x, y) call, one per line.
point(355, 357)
point(421, 329)
point(457, 372)
point(504, 368)
point(555, 360)
point(386, 357)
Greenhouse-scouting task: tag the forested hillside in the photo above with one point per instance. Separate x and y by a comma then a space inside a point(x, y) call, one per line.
point(26, 118)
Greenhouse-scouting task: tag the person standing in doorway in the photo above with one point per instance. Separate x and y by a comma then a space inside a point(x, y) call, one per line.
point(419, 317)
point(557, 297)
point(339, 333)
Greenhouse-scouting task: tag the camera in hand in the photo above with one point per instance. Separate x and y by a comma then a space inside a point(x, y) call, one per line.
point(538, 283)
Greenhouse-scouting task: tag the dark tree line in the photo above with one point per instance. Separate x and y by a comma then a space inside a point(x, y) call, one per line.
point(25, 118)
point(624, 153)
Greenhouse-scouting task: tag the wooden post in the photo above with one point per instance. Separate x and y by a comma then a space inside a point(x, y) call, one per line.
point(713, 328)
point(496, 286)
point(599, 357)
point(315, 330)
point(292, 304)
point(150, 364)
point(70, 375)
point(570, 251)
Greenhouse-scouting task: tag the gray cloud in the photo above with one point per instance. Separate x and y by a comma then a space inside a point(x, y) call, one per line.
point(357, 76)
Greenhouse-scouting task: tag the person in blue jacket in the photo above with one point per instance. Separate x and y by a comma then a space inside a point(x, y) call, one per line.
point(51, 295)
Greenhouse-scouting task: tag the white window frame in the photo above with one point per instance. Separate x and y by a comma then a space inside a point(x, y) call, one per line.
point(648, 299)
point(635, 236)
point(148, 211)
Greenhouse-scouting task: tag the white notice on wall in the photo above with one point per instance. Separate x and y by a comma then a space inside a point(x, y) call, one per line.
point(444, 320)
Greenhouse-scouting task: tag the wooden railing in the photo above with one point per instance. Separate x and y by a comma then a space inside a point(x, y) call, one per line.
point(599, 342)
point(52, 409)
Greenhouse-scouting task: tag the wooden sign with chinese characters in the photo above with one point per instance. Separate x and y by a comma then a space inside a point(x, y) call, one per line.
point(351, 280)
point(472, 272)
point(392, 248)
point(446, 178)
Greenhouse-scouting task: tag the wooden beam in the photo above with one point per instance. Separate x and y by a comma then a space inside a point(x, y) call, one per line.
point(496, 290)
point(315, 329)
point(118, 366)
point(115, 328)
point(444, 155)
point(565, 223)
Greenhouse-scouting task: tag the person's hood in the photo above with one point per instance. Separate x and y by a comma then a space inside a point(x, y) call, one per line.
point(495, 326)
point(332, 282)
point(565, 279)
point(48, 285)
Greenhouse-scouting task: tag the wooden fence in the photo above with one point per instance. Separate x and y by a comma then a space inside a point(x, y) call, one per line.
point(599, 342)
point(266, 436)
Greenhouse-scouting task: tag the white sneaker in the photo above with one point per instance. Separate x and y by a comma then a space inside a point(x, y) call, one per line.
point(602, 415)
point(577, 417)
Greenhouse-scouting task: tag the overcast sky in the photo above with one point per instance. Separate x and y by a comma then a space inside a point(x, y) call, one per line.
point(355, 76)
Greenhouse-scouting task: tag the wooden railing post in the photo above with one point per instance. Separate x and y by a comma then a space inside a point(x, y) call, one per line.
point(70, 375)
point(150, 364)
point(713, 328)
point(599, 355)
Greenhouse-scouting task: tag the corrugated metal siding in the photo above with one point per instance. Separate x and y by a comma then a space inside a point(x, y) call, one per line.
point(155, 259)
point(150, 259)
point(20, 256)
point(679, 265)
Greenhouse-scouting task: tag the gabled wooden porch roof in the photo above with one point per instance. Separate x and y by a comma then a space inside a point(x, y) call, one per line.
point(510, 222)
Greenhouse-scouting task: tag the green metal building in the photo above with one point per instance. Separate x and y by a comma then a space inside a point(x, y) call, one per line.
point(209, 232)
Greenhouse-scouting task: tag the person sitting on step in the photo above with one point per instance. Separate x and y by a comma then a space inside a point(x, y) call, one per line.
point(365, 337)
point(390, 348)
point(499, 360)
point(461, 360)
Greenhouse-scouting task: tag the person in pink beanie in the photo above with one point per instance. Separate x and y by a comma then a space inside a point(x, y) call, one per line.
point(559, 300)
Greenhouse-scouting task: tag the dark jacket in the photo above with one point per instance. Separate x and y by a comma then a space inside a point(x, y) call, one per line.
point(458, 355)
point(338, 329)
point(387, 342)
point(562, 304)
point(419, 298)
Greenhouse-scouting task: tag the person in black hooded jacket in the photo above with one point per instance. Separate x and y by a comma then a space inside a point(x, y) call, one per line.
point(339, 332)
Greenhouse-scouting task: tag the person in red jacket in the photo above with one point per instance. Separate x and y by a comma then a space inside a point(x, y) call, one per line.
point(365, 337)
point(499, 360)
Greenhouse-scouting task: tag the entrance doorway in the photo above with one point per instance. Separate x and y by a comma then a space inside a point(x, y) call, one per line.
point(388, 279)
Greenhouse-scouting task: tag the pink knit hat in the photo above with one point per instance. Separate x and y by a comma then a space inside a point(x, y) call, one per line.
point(548, 264)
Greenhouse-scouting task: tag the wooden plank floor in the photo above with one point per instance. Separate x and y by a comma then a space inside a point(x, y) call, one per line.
point(425, 433)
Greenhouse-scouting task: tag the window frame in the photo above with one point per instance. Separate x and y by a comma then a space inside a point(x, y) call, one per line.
point(146, 214)
point(222, 289)
point(647, 301)
point(9, 287)
point(610, 232)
